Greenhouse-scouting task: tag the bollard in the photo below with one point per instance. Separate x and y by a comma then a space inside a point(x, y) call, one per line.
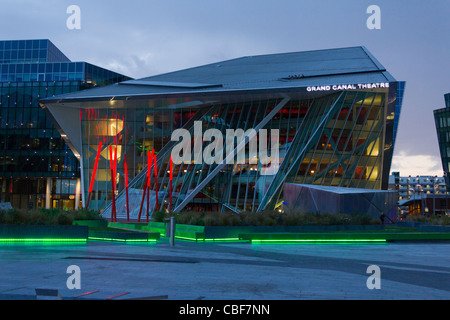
point(170, 231)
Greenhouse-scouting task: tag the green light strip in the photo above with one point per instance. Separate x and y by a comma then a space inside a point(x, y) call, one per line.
point(225, 239)
point(320, 240)
point(185, 238)
point(210, 240)
point(42, 240)
point(213, 240)
point(122, 240)
point(286, 240)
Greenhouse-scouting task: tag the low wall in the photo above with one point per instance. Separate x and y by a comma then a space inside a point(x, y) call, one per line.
point(433, 228)
point(212, 232)
point(11, 231)
point(422, 226)
point(124, 236)
point(233, 232)
point(408, 224)
point(91, 223)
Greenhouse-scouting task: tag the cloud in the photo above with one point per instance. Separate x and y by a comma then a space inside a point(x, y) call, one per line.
point(148, 55)
point(416, 164)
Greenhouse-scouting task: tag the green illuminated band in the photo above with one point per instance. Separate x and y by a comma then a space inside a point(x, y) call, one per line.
point(41, 240)
point(286, 240)
point(225, 239)
point(122, 240)
point(186, 238)
point(318, 240)
point(212, 240)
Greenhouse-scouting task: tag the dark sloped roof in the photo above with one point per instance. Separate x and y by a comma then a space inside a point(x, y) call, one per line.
point(285, 70)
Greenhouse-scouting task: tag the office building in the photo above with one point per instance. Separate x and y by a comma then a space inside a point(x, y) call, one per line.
point(442, 121)
point(37, 168)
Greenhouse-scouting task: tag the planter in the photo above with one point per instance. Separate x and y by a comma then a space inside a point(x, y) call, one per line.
point(213, 232)
point(27, 233)
point(433, 228)
point(123, 236)
point(201, 233)
point(91, 223)
point(409, 224)
point(423, 226)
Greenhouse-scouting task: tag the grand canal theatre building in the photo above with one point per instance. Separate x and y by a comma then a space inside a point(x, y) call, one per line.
point(328, 118)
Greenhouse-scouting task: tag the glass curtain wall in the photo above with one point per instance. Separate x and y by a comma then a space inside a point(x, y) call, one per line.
point(31, 149)
point(442, 121)
point(334, 140)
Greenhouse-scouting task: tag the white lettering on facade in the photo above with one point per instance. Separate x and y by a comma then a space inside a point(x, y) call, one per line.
point(349, 87)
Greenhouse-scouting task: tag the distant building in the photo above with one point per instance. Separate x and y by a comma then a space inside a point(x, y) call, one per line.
point(425, 204)
point(415, 192)
point(442, 120)
point(409, 186)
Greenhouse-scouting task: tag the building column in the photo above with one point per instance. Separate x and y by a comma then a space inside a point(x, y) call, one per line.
point(77, 194)
point(48, 193)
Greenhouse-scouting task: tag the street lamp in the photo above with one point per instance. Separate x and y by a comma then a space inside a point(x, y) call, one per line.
point(434, 195)
point(414, 197)
point(421, 200)
point(417, 186)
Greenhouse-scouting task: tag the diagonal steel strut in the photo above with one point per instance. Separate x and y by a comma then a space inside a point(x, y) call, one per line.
point(278, 181)
point(231, 155)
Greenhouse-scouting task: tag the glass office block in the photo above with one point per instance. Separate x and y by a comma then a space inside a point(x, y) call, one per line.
point(31, 146)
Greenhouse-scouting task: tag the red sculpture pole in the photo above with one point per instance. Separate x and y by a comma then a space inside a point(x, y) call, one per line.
point(145, 190)
point(115, 175)
point(126, 186)
point(170, 184)
point(142, 201)
point(156, 179)
point(94, 173)
point(149, 165)
point(113, 182)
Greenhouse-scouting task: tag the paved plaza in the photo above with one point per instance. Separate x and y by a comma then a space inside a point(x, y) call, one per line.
point(228, 271)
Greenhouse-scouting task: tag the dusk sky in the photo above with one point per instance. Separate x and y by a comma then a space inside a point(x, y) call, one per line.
point(145, 38)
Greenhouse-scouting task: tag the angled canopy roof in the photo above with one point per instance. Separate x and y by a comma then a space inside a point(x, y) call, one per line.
point(340, 190)
point(273, 71)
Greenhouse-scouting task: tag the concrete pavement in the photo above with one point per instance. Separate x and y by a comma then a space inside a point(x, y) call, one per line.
point(228, 271)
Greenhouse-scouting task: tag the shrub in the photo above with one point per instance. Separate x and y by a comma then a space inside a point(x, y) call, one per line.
point(191, 217)
point(159, 216)
point(441, 220)
point(209, 220)
point(86, 214)
point(363, 219)
point(64, 219)
point(445, 221)
point(46, 216)
point(227, 219)
point(270, 218)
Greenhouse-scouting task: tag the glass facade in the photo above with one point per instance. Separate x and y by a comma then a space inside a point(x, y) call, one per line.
point(334, 140)
point(34, 159)
point(442, 121)
point(30, 51)
point(336, 131)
